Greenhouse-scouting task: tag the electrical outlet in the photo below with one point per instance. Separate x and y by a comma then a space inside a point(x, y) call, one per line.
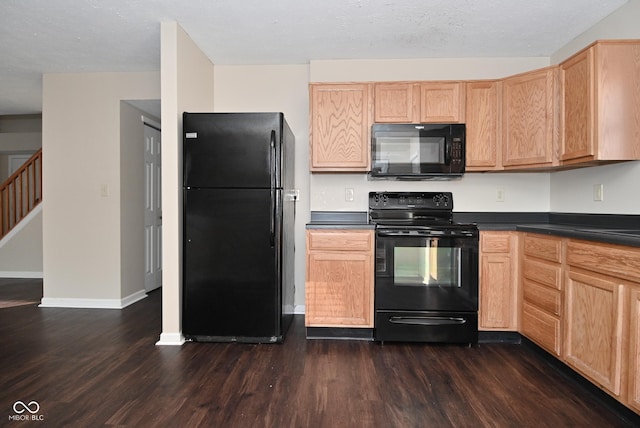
point(348, 194)
point(598, 192)
point(499, 195)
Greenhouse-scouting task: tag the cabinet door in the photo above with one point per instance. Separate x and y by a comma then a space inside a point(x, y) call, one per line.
point(498, 281)
point(593, 328)
point(577, 86)
point(397, 102)
point(442, 102)
point(530, 119)
point(601, 103)
point(340, 127)
point(617, 102)
point(484, 151)
point(339, 282)
point(634, 349)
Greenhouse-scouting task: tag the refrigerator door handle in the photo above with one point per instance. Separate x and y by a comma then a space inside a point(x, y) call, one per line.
point(273, 164)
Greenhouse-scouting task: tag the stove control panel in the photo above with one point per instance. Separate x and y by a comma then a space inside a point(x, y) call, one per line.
point(409, 200)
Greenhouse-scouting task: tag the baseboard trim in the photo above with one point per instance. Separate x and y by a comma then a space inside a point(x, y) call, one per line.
point(299, 309)
point(486, 336)
point(171, 339)
point(346, 333)
point(55, 302)
point(133, 298)
point(21, 274)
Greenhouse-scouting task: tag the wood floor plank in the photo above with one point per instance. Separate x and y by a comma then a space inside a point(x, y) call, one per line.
point(89, 367)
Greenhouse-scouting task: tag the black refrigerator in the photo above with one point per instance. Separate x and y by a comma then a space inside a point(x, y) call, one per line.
point(239, 209)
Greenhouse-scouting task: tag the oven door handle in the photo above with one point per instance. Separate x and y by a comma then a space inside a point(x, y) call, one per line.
point(426, 233)
point(414, 320)
point(406, 234)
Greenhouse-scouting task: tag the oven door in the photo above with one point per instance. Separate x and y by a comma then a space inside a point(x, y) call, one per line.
point(426, 270)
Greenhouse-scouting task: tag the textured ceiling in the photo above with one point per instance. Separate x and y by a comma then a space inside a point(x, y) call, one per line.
point(59, 36)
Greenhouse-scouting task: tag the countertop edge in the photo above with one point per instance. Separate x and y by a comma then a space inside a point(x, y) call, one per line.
point(588, 227)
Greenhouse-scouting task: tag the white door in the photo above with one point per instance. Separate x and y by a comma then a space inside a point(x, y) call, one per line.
point(153, 213)
point(16, 161)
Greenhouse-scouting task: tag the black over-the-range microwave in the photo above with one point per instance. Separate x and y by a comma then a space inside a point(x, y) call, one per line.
point(410, 151)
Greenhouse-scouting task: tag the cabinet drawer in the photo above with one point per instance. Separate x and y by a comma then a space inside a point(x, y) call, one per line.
point(492, 242)
point(542, 297)
point(543, 247)
point(542, 272)
point(542, 328)
point(620, 262)
point(340, 240)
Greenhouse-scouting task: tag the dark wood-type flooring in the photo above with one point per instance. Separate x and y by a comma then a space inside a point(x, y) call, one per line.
point(90, 368)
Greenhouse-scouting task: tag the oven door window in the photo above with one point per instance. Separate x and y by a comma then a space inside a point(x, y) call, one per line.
point(429, 266)
point(398, 153)
point(426, 273)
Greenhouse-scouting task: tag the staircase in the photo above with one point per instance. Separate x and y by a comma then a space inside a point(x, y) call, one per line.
point(20, 193)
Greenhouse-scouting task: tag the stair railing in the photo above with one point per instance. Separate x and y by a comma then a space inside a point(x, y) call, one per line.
point(20, 193)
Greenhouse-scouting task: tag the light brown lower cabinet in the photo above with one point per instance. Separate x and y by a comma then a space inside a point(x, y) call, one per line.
point(541, 264)
point(339, 281)
point(498, 306)
point(594, 332)
point(633, 398)
point(580, 301)
point(602, 317)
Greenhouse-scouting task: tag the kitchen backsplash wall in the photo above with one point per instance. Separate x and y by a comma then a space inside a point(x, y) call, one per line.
point(519, 192)
point(573, 191)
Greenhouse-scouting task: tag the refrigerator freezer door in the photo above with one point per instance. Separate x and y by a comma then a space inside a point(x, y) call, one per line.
point(232, 284)
point(232, 150)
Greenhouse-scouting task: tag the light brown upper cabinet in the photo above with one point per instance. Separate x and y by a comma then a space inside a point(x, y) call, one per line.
point(419, 102)
point(341, 118)
point(483, 105)
point(397, 102)
point(530, 119)
point(601, 103)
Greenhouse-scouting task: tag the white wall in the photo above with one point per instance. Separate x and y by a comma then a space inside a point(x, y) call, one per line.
point(621, 24)
point(187, 85)
point(523, 192)
point(421, 69)
point(82, 259)
point(572, 191)
point(21, 249)
point(280, 88)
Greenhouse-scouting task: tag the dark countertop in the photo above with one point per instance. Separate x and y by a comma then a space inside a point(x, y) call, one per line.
point(339, 220)
point(608, 228)
point(620, 229)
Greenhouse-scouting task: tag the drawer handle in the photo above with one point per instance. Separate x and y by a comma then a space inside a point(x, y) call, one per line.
point(427, 320)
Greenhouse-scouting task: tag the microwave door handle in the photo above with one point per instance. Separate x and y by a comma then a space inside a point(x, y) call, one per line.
point(447, 152)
